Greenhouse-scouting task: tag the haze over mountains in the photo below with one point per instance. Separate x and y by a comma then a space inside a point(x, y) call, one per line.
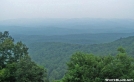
point(100, 32)
point(58, 39)
point(67, 26)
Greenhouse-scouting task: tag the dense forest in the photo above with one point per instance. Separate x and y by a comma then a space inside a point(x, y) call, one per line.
point(65, 62)
point(60, 53)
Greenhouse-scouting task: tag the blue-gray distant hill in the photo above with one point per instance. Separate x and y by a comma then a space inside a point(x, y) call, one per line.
point(88, 38)
point(67, 26)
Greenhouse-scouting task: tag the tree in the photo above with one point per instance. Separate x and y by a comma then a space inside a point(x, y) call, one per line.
point(90, 68)
point(28, 71)
point(10, 52)
point(15, 64)
point(121, 50)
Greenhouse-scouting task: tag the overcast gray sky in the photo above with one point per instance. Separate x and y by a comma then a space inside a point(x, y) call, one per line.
point(14, 9)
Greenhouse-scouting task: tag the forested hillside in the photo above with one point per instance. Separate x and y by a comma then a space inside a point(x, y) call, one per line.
point(54, 55)
point(89, 38)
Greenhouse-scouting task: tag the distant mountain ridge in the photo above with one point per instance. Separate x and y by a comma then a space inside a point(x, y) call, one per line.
point(67, 26)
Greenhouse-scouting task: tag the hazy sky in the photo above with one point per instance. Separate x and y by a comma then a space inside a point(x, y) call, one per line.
point(13, 9)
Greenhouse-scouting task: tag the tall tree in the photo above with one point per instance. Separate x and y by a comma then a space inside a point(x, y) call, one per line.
point(15, 64)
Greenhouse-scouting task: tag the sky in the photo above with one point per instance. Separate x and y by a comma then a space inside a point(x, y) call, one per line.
point(16, 9)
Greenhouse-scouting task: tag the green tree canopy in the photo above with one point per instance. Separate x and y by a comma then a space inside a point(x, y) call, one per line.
point(15, 64)
point(90, 68)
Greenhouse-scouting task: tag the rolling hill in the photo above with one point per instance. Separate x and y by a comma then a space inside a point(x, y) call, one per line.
point(54, 55)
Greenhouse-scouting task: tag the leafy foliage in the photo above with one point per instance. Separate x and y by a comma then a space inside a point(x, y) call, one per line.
point(91, 68)
point(15, 64)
